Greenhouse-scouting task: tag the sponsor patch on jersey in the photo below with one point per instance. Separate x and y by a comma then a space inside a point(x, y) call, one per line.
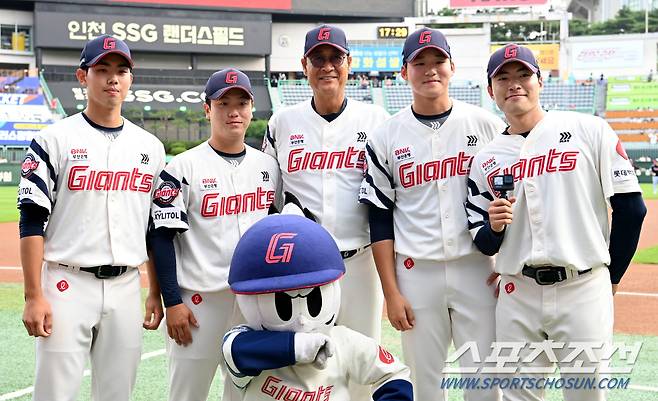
point(209, 184)
point(78, 154)
point(166, 192)
point(385, 356)
point(489, 164)
point(197, 299)
point(509, 288)
point(409, 263)
point(165, 216)
point(28, 166)
point(623, 174)
point(296, 139)
point(403, 153)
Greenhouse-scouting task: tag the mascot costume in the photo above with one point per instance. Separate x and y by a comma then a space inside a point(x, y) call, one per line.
point(285, 272)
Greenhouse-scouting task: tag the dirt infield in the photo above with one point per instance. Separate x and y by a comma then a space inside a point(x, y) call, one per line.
point(635, 311)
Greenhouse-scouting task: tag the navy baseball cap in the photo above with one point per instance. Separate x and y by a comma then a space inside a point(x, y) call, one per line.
point(326, 35)
point(284, 252)
point(422, 39)
point(100, 47)
point(222, 81)
point(509, 53)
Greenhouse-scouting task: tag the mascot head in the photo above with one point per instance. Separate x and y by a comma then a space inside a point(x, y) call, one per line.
point(285, 272)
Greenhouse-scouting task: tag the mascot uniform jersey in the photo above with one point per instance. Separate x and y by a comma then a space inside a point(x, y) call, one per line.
point(285, 272)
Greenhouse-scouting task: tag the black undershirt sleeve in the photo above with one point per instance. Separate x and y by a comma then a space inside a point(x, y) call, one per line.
point(381, 223)
point(32, 220)
point(487, 240)
point(628, 211)
point(161, 241)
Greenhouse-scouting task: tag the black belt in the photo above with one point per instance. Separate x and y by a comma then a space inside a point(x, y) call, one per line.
point(352, 252)
point(103, 271)
point(548, 275)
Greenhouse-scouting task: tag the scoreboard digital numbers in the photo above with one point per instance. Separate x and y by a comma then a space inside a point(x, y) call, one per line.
point(392, 32)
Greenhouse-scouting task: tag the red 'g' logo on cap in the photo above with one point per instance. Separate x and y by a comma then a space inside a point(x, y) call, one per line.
point(286, 249)
point(109, 43)
point(231, 77)
point(425, 37)
point(511, 51)
point(324, 34)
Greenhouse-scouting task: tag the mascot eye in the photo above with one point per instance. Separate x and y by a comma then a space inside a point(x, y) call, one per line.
point(314, 302)
point(283, 304)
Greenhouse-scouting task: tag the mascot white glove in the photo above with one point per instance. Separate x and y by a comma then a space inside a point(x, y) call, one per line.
point(314, 348)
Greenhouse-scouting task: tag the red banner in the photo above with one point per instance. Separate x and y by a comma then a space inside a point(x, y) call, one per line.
point(495, 3)
point(251, 4)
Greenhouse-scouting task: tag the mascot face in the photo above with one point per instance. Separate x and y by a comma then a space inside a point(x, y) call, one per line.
point(304, 310)
point(285, 273)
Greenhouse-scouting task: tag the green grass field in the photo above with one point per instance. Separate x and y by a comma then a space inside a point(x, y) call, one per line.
point(8, 211)
point(17, 362)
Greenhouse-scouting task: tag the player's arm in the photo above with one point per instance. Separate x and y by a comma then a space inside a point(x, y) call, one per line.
point(628, 212)
point(620, 186)
point(153, 304)
point(37, 314)
point(377, 191)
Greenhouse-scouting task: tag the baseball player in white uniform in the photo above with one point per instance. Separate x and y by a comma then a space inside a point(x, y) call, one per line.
point(433, 277)
point(557, 254)
point(320, 147)
point(90, 177)
point(205, 199)
point(286, 273)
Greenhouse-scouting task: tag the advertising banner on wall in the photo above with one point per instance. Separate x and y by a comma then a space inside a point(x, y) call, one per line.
point(17, 99)
point(18, 133)
point(241, 35)
point(376, 58)
point(632, 95)
point(606, 55)
point(547, 54)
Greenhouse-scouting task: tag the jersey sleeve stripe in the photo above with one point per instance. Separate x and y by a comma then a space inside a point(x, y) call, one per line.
point(389, 204)
point(269, 136)
point(165, 176)
point(475, 225)
point(377, 164)
point(43, 155)
point(36, 180)
point(475, 191)
point(470, 206)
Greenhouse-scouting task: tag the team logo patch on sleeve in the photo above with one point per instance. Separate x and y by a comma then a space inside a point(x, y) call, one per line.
point(28, 166)
point(208, 184)
point(166, 192)
point(620, 150)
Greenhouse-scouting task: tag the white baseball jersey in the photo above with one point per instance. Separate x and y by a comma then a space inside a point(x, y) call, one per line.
point(214, 202)
point(356, 358)
point(322, 164)
point(98, 191)
point(581, 161)
point(420, 173)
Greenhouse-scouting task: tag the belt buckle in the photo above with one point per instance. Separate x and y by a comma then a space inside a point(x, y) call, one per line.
point(105, 271)
point(555, 275)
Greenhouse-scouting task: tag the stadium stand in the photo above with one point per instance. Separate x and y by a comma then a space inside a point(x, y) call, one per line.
point(295, 91)
point(634, 125)
point(397, 97)
point(566, 96)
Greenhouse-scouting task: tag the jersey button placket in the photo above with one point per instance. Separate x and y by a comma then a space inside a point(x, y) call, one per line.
point(328, 183)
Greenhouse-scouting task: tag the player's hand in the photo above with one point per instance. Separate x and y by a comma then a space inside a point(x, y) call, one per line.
point(314, 348)
point(400, 313)
point(38, 317)
point(154, 312)
point(179, 320)
point(614, 289)
point(494, 279)
point(500, 213)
